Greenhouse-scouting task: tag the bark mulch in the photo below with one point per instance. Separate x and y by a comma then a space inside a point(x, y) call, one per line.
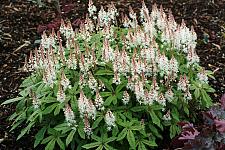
point(21, 20)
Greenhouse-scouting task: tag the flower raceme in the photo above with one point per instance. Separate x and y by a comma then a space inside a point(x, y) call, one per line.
point(147, 56)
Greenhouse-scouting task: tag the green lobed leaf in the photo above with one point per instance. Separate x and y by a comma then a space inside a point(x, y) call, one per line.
point(156, 107)
point(70, 137)
point(34, 115)
point(91, 145)
point(60, 127)
point(138, 108)
point(137, 127)
point(39, 136)
point(155, 118)
point(12, 100)
point(28, 81)
point(57, 109)
point(61, 144)
point(120, 87)
point(47, 139)
point(197, 93)
point(40, 88)
point(122, 134)
point(106, 82)
point(13, 116)
point(21, 106)
point(207, 101)
point(173, 131)
point(141, 146)
point(150, 143)
point(96, 138)
point(50, 108)
point(175, 114)
point(155, 132)
point(106, 94)
point(81, 132)
point(114, 100)
point(108, 140)
point(186, 108)
point(109, 100)
point(52, 131)
point(131, 139)
point(16, 124)
point(115, 131)
point(100, 147)
point(50, 145)
point(108, 147)
point(104, 72)
point(96, 122)
point(25, 130)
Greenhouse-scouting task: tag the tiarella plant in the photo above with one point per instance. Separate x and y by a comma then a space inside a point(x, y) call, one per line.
point(106, 87)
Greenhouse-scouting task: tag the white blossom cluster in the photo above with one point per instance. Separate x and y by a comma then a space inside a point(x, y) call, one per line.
point(47, 42)
point(61, 96)
point(107, 17)
point(99, 101)
point(69, 115)
point(139, 58)
point(86, 106)
point(36, 102)
point(202, 76)
point(91, 9)
point(183, 83)
point(126, 98)
point(167, 116)
point(110, 120)
point(169, 95)
point(67, 30)
point(178, 35)
point(87, 127)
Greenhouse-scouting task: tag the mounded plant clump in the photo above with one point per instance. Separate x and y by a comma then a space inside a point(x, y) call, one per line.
point(110, 87)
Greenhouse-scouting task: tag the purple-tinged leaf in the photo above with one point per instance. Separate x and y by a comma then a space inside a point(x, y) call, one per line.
point(208, 117)
point(41, 28)
point(188, 135)
point(77, 22)
point(220, 125)
point(188, 131)
point(67, 8)
point(222, 101)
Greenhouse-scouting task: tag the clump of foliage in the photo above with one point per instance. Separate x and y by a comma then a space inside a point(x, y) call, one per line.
point(208, 135)
point(106, 87)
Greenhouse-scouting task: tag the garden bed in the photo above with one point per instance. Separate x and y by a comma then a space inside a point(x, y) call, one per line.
point(20, 22)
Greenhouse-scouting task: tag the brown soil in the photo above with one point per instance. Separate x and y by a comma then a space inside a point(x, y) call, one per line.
point(21, 20)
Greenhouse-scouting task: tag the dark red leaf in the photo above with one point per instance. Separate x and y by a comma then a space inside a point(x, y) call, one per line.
point(77, 22)
point(182, 123)
point(67, 8)
point(41, 28)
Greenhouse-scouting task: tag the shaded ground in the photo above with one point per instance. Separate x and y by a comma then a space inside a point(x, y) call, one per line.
point(19, 21)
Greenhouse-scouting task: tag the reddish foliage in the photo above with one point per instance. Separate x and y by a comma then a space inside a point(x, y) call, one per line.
point(222, 101)
point(41, 28)
point(77, 22)
point(67, 8)
point(211, 135)
point(54, 24)
point(220, 125)
point(188, 132)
